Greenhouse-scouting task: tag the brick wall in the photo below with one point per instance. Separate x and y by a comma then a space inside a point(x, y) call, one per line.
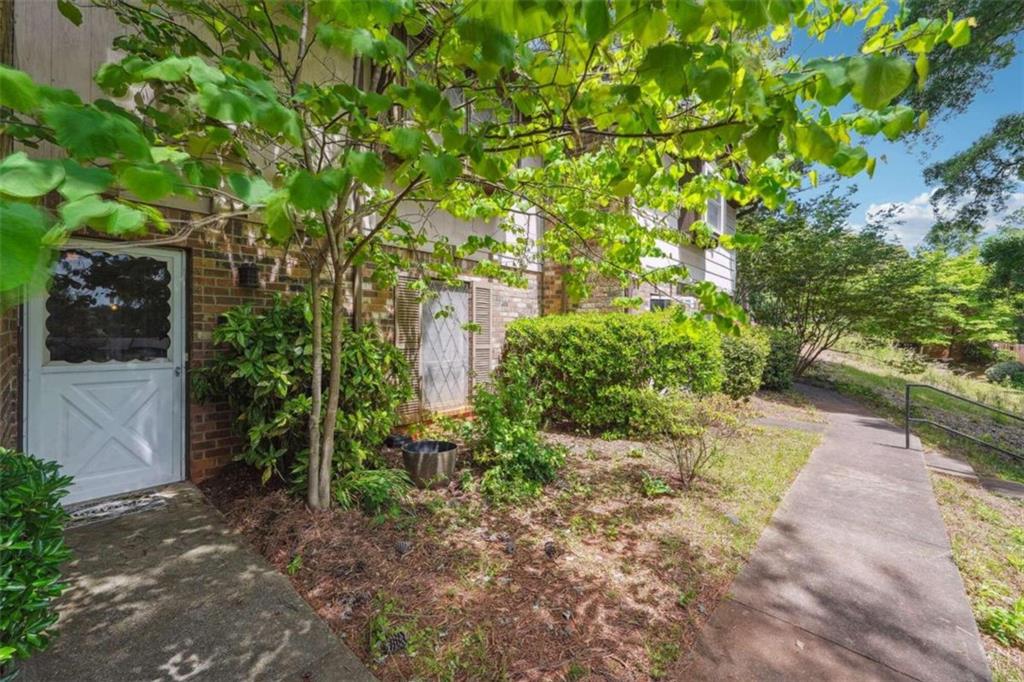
point(212, 288)
point(10, 378)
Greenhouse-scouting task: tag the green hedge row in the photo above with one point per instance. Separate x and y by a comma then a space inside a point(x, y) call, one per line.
point(601, 372)
point(581, 362)
point(745, 357)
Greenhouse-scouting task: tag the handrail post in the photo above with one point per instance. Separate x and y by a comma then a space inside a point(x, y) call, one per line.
point(906, 413)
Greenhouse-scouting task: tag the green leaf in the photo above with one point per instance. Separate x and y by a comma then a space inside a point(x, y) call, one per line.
point(961, 34)
point(22, 177)
point(227, 105)
point(80, 181)
point(149, 183)
point(70, 11)
point(105, 216)
point(23, 255)
point(814, 143)
point(596, 20)
point(762, 142)
point(713, 82)
point(89, 133)
point(308, 192)
point(405, 142)
point(921, 67)
point(685, 14)
point(278, 220)
point(252, 190)
point(171, 70)
point(849, 160)
point(441, 168)
point(900, 121)
point(366, 166)
point(17, 90)
point(878, 79)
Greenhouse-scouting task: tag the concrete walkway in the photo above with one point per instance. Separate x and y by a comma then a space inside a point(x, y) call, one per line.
point(172, 594)
point(853, 579)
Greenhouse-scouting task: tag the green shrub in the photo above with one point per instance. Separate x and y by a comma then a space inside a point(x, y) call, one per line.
point(695, 435)
point(784, 351)
point(1009, 373)
point(627, 412)
point(745, 357)
point(575, 359)
point(263, 370)
point(376, 491)
point(506, 439)
point(31, 553)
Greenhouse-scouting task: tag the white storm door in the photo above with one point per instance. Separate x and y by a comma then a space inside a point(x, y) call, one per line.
point(105, 349)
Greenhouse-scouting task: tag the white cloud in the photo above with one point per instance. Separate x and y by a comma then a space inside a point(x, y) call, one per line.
point(918, 217)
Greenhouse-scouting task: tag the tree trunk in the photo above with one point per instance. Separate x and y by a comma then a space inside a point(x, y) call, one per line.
point(333, 390)
point(316, 389)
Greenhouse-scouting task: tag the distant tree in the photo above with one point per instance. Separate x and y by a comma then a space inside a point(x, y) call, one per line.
point(1003, 253)
point(821, 279)
point(976, 184)
point(955, 306)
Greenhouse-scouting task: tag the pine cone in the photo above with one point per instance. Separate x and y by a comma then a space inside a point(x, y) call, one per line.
point(395, 643)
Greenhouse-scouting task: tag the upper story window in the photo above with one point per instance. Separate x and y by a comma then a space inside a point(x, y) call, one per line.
point(715, 214)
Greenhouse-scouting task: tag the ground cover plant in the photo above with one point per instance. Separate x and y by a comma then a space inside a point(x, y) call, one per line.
point(608, 572)
point(987, 535)
point(32, 551)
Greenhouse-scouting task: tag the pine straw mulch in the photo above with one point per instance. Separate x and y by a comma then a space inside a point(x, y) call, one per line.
point(595, 580)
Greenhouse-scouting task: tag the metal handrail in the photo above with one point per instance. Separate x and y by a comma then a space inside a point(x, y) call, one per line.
point(909, 419)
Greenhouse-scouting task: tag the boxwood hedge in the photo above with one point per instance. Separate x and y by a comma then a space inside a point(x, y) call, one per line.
point(579, 360)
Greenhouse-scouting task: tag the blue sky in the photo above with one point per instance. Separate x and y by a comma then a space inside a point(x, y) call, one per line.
point(899, 176)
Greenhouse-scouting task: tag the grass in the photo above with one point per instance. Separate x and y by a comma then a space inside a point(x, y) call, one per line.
point(987, 535)
point(609, 574)
point(879, 376)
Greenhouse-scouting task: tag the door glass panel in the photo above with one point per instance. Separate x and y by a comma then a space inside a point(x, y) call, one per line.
point(108, 307)
point(444, 348)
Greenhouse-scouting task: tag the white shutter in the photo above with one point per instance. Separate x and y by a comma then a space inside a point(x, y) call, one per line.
point(482, 360)
point(407, 338)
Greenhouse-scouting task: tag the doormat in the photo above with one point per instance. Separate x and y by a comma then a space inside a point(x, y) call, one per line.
point(102, 510)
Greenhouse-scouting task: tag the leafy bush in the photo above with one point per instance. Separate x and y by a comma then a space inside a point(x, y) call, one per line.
point(624, 411)
point(31, 553)
point(783, 354)
point(263, 370)
point(1009, 373)
point(695, 434)
point(745, 357)
point(376, 491)
point(506, 437)
point(575, 359)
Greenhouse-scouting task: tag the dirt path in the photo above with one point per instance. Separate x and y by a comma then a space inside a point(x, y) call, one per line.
point(854, 578)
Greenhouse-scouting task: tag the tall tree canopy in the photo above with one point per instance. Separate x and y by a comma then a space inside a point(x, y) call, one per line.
point(976, 184)
point(821, 279)
point(321, 118)
point(956, 76)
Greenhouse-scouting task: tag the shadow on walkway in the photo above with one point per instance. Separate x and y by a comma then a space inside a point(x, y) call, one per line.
point(173, 594)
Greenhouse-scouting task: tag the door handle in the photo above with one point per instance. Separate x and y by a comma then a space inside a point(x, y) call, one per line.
point(177, 371)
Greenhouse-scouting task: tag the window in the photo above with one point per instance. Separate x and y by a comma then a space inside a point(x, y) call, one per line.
point(715, 214)
point(108, 307)
point(660, 302)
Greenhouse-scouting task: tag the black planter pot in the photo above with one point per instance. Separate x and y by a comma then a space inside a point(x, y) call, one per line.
point(430, 463)
point(397, 440)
